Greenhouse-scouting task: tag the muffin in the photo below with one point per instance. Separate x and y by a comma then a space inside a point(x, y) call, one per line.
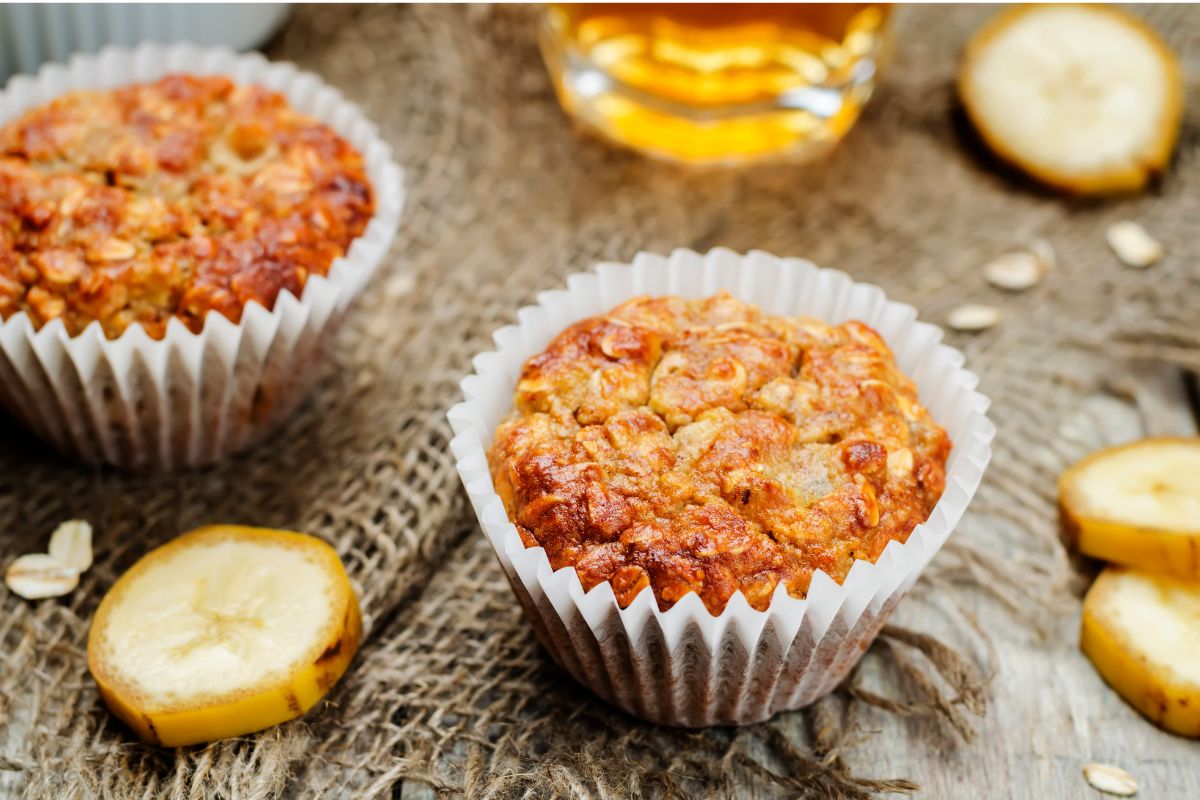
point(170, 199)
point(182, 230)
point(703, 446)
point(709, 487)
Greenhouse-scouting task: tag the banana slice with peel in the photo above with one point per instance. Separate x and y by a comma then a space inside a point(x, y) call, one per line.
point(1086, 99)
point(223, 631)
point(1142, 633)
point(1138, 505)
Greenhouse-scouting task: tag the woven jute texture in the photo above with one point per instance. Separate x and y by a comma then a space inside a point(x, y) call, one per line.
point(450, 689)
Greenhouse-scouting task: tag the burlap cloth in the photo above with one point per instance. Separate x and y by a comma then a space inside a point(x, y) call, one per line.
point(450, 688)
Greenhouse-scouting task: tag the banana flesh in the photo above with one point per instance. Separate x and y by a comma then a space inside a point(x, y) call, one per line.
point(1142, 633)
point(223, 631)
point(1086, 99)
point(1138, 505)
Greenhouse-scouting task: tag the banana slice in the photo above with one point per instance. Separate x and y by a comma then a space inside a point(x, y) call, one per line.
point(1137, 505)
point(1142, 633)
point(1086, 99)
point(223, 631)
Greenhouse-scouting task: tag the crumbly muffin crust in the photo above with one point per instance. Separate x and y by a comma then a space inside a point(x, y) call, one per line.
point(170, 199)
point(703, 446)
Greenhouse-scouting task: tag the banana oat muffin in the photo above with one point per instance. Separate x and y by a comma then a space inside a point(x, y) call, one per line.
point(170, 199)
point(701, 445)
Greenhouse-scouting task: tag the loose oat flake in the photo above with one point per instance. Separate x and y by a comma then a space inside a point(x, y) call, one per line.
point(1110, 780)
point(37, 576)
point(1043, 251)
point(71, 544)
point(1014, 271)
point(52, 574)
point(973, 317)
point(1133, 245)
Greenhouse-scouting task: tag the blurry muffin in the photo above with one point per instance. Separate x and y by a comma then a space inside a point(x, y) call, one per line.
point(703, 446)
point(176, 255)
point(170, 199)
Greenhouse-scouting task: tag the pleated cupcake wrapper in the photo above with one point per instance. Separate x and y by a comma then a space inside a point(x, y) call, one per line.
point(190, 398)
point(34, 33)
point(685, 666)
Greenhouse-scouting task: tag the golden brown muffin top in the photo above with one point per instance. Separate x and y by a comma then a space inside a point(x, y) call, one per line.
point(703, 446)
point(170, 199)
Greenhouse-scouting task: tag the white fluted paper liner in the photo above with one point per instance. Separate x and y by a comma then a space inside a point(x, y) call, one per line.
point(34, 33)
point(190, 398)
point(685, 666)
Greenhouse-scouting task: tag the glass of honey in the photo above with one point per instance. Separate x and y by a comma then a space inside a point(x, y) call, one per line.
point(716, 84)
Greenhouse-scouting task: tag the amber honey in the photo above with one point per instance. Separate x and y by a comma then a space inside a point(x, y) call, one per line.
point(720, 83)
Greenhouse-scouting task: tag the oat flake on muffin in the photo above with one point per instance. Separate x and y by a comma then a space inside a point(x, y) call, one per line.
point(170, 199)
point(701, 445)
